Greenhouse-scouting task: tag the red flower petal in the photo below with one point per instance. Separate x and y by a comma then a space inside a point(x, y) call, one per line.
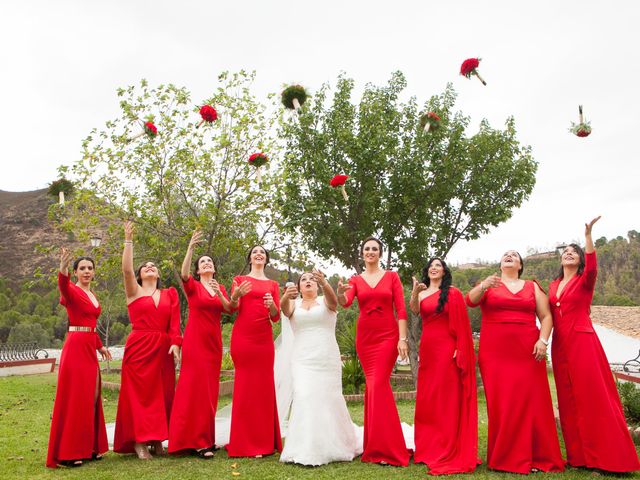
point(208, 113)
point(468, 66)
point(338, 180)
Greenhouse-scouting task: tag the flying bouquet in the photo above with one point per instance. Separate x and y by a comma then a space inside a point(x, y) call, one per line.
point(339, 181)
point(470, 67)
point(208, 114)
point(149, 129)
point(429, 121)
point(257, 160)
point(293, 97)
point(581, 129)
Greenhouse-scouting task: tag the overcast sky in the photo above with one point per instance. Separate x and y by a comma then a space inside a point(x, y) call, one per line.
point(63, 60)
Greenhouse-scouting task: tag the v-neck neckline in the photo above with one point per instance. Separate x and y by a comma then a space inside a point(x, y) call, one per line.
point(377, 283)
point(212, 295)
point(89, 298)
point(510, 291)
point(566, 285)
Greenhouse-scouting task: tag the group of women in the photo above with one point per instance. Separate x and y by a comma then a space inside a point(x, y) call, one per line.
point(522, 436)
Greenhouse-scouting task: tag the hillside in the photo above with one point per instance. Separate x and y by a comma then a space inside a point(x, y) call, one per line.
point(24, 224)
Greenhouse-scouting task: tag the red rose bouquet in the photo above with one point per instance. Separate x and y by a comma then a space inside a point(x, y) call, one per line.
point(582, 128)
point(293, 97)
point(470, 67)
point(148, 128)
point(257, 160)
point(208, 114)
point(339, 181)
point(429, 120)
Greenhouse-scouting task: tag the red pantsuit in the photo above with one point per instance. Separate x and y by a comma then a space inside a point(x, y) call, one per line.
point(522, 429)
point(446, 417)
point(591, 415)
point(77, 426)
point(377, 347)
point(193, 415)
point(254, 416)
point(148, 372)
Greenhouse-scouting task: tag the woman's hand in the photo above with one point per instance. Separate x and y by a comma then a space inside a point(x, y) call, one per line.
point(268, 300)
point(540, 351)
point(342, 288)
point(492, 281)
point(589, 226)
point(290, 293)
point(175, 350)
point(215, 286)
point(240, 290)
point(196, 238)
point(319, 277)
point(403, 349)
point(105, 353)
point(65, 261)
point(417, 287)
point(128, 231)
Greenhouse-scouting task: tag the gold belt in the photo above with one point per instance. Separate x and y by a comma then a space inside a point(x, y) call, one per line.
point(82, 329)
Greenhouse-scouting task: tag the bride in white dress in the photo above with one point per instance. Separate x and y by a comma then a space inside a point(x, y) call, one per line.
point(320, 429)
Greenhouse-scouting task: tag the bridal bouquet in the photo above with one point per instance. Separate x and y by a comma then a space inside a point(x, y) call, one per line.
point(339, 181)
point(257, 160)
point(293, 97)
point(429, 120)
point(208, 114)
point(582, 128)
point(470, 67)
point(148, 129)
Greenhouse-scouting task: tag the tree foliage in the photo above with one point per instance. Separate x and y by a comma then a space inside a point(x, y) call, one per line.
point(419, 192)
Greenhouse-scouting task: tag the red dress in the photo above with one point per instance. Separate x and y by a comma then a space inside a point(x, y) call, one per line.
point(192, 424)
point(377, 347)
point(446, 418)
point(77, 426)
point(254, 415)
point(522, 429)
point(591, 415)
point(148, 373)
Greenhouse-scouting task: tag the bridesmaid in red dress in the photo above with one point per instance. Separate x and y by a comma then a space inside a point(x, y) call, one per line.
point(446, 418)
point(192, 424)
point(591, 414)
point(379, 340)
point(148, 373)
point(77, 425)
point(522, 429)
point(255, 429)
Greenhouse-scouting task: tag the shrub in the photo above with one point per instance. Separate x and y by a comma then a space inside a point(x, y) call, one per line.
point(630, 396)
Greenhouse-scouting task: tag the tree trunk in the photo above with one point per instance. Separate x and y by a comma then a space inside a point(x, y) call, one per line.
point(415, 331)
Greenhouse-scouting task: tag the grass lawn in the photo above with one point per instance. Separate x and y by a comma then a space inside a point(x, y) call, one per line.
point(25, 408)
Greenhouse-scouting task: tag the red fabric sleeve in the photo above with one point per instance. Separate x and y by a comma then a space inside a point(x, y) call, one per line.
point(98, 342)
point(590, 270)
point(189, 285)
point(174, 323)
point(64, 284)
point(398, 296)
point(460, 327)
point(352, 292)
point(275, 293)
point(223, 291)
point(470, 303)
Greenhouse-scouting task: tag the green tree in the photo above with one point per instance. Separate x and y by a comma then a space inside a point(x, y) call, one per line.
point(419, 192)
point(182, 178)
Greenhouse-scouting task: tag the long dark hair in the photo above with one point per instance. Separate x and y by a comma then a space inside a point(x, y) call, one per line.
point(444, 286)
point(139, 278)
point(251, 250)
point(580, 253)
point(79, 259)
point(196, 263)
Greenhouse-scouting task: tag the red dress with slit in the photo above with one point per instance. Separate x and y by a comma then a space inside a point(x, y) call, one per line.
point(255, 429)
point(192, 424)
point(591, 414)
point(522, 429)
point(377, 347)
point(148, 373)
point(77, 426)
point(446, 417)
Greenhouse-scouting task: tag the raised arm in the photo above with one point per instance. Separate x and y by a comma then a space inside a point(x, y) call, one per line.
point(546, 323)
point(63, 277)
point(590, 262)
point(130, 284)
point(196, 238)
point(347, 292)
point(414, 301)
point(287, 303)
point(475, 295)
point(330, 298)
point(588, 246)
point(222, 295)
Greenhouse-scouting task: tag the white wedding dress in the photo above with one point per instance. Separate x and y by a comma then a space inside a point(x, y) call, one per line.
point(319, 429)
